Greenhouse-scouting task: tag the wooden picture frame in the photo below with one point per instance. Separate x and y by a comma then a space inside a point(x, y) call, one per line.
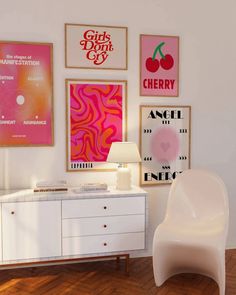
point(165, 138)
point(96, 116)
point(26, 94)
point(96, 47)
point(159, 65)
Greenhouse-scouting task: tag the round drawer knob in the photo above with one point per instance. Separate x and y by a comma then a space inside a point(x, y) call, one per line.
point(105, 225)
point(12, 212)
point(105, 207)
point(104, 244)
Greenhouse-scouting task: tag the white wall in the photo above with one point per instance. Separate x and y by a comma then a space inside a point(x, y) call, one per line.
point(207, 83)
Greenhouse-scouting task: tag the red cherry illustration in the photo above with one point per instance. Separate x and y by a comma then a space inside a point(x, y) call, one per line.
point(152, 65)
point(167, 62)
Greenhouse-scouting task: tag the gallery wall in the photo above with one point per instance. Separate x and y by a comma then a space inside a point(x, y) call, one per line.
point(207, 83)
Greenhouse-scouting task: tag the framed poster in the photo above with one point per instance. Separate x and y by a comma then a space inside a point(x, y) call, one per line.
point(159, 65)
point(26, 94)
point(164, 143)
point(96, 116)
point(96, 47)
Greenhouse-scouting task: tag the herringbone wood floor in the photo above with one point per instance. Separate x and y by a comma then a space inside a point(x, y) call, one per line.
point(102, 278)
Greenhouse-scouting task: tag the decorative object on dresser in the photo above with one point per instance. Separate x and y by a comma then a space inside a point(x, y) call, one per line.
point(91, 187)
point(122, 153)
point(56, 227)
point(51, 186)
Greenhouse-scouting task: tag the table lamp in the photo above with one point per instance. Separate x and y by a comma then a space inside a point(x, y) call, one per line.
point(123, 153)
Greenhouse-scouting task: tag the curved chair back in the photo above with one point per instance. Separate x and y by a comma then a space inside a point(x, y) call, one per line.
point(198, 195)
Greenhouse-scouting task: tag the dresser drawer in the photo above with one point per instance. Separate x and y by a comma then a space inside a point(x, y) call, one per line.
point(103, 243)
point(103, 207)
point(102, 225)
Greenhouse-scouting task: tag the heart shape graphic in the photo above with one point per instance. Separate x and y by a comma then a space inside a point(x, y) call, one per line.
point(165, 146)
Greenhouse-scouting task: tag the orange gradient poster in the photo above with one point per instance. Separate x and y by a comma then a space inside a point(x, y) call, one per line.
point(26, 100)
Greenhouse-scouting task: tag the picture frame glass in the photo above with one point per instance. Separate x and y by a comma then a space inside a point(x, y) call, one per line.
point(159, 65)
point(164, 143)
point(26, 94)
point(96, 116)
point(96, 47)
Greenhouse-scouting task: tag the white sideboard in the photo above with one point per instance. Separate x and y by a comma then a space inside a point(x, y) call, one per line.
point(46, 227)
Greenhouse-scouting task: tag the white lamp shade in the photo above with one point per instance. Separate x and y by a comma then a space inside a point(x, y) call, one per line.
point(123, 152)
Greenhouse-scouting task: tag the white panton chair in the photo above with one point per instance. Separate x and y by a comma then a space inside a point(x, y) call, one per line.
point(192, 237)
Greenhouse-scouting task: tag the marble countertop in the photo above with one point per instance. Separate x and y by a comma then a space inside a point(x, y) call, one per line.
point(28, 195)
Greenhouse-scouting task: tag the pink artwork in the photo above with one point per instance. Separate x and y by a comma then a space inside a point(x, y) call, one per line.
point(159, 65)
point(26, 100)
point(96, 112)
point(164, 143)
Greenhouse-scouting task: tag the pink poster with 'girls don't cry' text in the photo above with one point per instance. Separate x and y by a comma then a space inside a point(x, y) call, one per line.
point(26, 94)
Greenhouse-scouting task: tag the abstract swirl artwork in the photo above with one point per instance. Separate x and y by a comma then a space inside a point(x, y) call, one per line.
point(96, 112)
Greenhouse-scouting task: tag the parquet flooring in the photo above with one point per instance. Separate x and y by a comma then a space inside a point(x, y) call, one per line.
point(102, 278)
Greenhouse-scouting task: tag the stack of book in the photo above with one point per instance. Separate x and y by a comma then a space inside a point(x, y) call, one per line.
point(91, 187)
point(51, 186)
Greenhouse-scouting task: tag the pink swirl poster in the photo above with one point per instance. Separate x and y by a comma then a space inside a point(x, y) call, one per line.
point(96, 112)
point(26, 94)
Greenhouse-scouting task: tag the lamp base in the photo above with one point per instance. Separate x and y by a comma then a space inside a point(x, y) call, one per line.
point(123, 181)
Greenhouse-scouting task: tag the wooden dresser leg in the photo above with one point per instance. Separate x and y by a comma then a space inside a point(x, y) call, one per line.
point(127, 264)
point(118, 262)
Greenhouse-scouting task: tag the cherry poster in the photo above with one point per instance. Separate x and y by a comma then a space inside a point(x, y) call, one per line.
point(26, 99)
point(159, 65)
